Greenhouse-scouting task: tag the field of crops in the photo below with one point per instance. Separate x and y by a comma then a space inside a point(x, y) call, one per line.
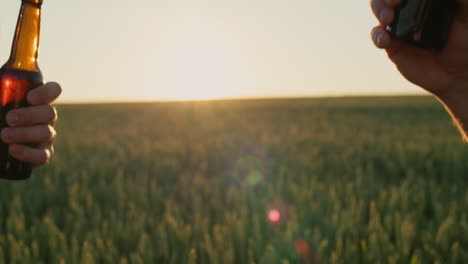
point(356, 180)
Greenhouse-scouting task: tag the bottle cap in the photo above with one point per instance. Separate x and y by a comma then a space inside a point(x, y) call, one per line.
point(37, 3)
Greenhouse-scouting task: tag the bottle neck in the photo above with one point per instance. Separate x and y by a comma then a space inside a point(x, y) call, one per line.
point(25, 47)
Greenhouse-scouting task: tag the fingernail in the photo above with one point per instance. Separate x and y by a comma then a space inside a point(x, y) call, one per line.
point(12, 119)
point(383, 15)
point(379, 38)
point(6, 135)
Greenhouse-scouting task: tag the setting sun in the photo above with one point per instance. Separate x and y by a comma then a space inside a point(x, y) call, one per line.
point(198, 62)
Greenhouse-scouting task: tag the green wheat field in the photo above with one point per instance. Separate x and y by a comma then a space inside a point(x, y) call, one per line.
point(353, 180)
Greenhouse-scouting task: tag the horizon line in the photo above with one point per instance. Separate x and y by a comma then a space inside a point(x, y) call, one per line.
point(119, 101)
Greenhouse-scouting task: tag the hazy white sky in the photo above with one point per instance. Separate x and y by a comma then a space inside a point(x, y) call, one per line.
point(183, 49)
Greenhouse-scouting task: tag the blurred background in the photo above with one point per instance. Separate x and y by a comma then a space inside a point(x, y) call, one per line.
point(306, 180)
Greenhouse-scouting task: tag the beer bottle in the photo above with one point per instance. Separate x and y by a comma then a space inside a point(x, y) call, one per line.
point(18, 76)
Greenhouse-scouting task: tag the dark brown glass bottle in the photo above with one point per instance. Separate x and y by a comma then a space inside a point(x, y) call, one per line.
point(18, 76)
point(424, 24)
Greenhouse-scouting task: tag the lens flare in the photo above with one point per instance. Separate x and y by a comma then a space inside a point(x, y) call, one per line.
point(250, 171)
point(249, 165)
point(274, 216)
point(254, 178)
point(277, 213)
point(305, 251)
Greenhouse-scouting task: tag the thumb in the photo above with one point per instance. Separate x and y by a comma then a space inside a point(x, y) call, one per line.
point(418, 66)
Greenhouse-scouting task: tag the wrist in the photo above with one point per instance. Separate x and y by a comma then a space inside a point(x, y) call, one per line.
point(454, 98)
point(456, 102)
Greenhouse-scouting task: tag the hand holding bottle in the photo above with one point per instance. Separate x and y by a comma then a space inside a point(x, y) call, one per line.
point(23, 119)
point(445, 73)
point(33, 125)
point(438, 73)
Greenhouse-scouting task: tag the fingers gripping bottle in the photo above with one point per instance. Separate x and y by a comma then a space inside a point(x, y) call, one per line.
point(424, 23)
point(18, 76)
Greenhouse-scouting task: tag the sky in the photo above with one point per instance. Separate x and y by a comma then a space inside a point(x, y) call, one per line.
point(157, 50)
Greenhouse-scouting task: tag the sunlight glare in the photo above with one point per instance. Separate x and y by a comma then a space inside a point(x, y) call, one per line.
point(198, 62)
point(274, 216)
